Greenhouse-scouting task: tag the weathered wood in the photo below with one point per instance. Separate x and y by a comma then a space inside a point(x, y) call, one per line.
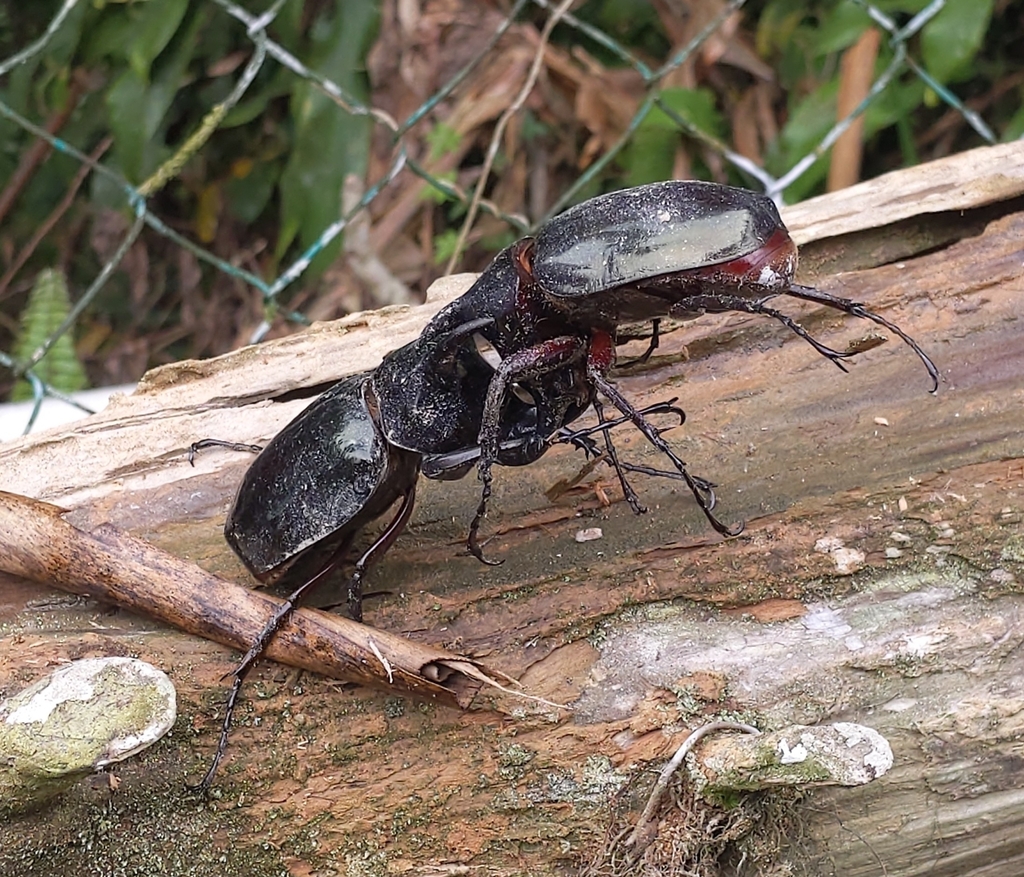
point(113, 567)
point(878, 581)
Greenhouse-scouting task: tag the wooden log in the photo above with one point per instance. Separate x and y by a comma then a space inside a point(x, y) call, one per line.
point(878, 582)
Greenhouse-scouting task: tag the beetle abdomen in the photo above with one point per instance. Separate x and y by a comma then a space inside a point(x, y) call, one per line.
point(323, 476)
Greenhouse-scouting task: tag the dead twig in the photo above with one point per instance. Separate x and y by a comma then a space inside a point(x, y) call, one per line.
point(110, 565)
point(499, 129)
point(646, 828)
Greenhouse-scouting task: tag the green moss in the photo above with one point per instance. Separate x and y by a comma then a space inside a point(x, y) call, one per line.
point(151, 825)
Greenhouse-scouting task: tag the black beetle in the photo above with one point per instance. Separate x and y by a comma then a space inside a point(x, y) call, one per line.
point(550, 305)
point(332, 470)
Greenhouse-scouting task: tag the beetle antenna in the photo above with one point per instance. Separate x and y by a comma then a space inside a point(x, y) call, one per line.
point(834, 356)
point(720, 303)
point(856, 309)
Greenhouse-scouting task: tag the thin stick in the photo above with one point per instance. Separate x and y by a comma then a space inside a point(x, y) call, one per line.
point(643, 825)
point(499, 129)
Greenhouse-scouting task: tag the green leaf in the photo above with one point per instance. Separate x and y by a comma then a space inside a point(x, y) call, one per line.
point(952, 38)
point(697, 106)
point(651, 152)
point(250, 193)
point(1014, 128)
point(137, 108)
point(435, 193)
point(777, 24)
point(841, 28)
point(154, 24)
point(328, 142)
point(809, 121)
point(127, 107)
point(444, 245)
point(257, 100)
point(47, 306)
point(443, 139)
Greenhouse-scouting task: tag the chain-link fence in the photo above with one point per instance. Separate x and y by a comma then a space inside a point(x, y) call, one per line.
point(456, 142)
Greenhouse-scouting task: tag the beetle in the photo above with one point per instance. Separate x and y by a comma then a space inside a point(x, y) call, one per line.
point(551, 304)
point(332, 470)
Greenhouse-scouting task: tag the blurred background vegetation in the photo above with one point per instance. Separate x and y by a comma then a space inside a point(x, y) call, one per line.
point(129, 82)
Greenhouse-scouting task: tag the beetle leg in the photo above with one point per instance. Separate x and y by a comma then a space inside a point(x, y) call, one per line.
point(520, 366)
point(701, 489)
point(651, 347)
point(379, 547)
point(566, 435)
point(613, 457)
point(274, 623)
point(706, 487)
point(856, 309)
point(219, 443)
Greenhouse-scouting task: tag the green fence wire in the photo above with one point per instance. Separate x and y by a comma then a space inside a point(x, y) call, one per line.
point(266, 51)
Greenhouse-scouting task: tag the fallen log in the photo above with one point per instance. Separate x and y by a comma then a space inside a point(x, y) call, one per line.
point(878, 582)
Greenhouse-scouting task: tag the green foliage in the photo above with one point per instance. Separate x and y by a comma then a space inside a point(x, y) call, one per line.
point(48, 305)
point(327, 144)
point(443, 140)
point(651, 151)
point(444, 245)
point(802, 41)
point(951, 40)
point(154, 69)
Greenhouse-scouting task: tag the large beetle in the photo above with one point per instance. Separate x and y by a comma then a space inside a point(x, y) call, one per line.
point(332, 470)
point(550, 305)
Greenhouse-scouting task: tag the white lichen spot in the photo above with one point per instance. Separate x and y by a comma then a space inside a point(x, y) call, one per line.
point(92, 712)
point(62, 687)
point(878, 758)
point(848, 560)
point(828, 544)
point(796, 755)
